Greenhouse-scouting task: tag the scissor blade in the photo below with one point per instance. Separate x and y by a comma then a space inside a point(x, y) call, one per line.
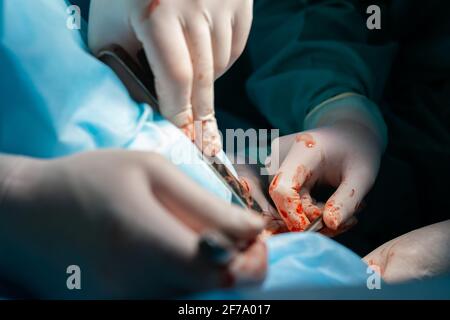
point(241, 194)
point(316, 225)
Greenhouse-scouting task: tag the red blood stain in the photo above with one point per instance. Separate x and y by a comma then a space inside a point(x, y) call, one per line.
point(304, 222)
point(314, 213)
point(352, 193)
point(296, 229)
point(153, 6)
point(333, 218)
point(245, 185)
point(299, 208)
point(298, 224)
point(284, 214)
point(330, 204)
point(189, 131)
point(307, 139)
point(274, 183)
point(188, 128)
point(301, 175)
point(376, 267)
point(317, 212)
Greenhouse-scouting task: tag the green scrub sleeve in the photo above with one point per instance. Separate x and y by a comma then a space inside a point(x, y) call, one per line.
point(304, 53)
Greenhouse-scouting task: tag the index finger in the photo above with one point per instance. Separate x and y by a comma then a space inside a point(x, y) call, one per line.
point(202, 210)
point(200, 46)
point(168, 54)
point(285, 188)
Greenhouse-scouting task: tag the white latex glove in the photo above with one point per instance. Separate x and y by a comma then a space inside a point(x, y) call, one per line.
point(130, 220)
point(256, 184)
point(189, 44)
point(419, 254)
point(342, 152)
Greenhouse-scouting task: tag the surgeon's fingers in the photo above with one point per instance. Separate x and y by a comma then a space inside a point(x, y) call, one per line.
point(221, 39)
point(347, 225)
point(201, 210)
point(179, 251)
point(256, 188)
point(241, 24)
point(355, 184)
point(168, 54)
point(249, 266)
point(311, 209)
point(175, 243)
point(284, 189)
point(182, 240)
point(199, 40)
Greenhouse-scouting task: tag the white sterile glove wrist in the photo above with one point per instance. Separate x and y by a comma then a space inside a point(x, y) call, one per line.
point(123, 217)
point(343, 151)
point(189, 44)
point(419, 254)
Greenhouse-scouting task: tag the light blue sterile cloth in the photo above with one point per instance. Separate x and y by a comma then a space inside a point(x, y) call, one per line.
point(56, 99)
point(304, 261)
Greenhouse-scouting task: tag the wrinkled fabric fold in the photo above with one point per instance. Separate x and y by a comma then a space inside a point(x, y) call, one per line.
point(302, 261)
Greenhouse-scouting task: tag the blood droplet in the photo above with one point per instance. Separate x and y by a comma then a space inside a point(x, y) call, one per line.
point(301, 175)
point(152, 6)
point(274, 183)
point(299, 208)
point(245, 185)
point(307, 139)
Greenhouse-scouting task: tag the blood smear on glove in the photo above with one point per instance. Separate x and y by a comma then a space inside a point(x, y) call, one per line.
point(274, 183)
point(152, 6)
point(245, 184)
point(307, 139)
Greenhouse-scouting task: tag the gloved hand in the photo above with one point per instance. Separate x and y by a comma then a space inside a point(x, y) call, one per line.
point(130, 220)
point(188, 43)
point(256, 186)
point(343, 151)
point(419, 254)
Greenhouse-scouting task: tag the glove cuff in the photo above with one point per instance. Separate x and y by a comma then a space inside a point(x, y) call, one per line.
point(350, 106)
